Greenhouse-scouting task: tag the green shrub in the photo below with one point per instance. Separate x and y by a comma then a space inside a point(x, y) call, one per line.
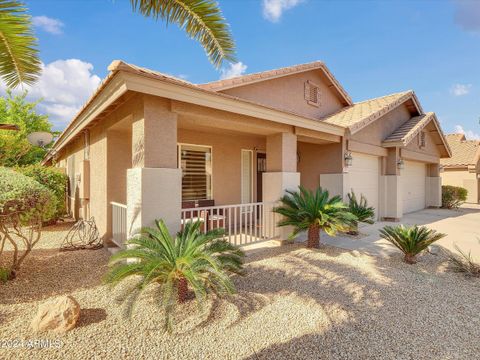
point(24, 205)
point(190, 261)
point(20, 194)
point(411, 240)
point(363, 212)
point(52, 178)
point(453, 196)
point(4, 274)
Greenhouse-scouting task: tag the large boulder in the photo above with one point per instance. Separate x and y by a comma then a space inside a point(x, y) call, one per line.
point(58, 315)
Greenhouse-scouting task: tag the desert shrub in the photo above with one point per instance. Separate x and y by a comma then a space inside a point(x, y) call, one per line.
point(24, 205)
point(464, 263)
point(363, 212)
point(411, 240)
point(53, 179)
point(189, 261)
point(453, 196)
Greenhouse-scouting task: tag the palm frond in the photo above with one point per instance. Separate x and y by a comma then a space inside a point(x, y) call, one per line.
point(19, 62)
point(202, 20)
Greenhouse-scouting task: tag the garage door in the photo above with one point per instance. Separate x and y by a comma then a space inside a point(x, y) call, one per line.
point(413, 186)
point(364, 176)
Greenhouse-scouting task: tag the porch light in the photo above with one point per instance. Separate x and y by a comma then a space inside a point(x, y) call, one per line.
point(400, 164)
point(348, 159)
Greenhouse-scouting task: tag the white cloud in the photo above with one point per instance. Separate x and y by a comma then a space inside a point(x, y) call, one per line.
point(50, 25)
point(460, 89)
point(469, 134)
point(64, 86)
point(233, 70)
point(273, 9)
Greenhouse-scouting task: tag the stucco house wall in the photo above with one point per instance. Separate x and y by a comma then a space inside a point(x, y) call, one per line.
point(287, 93)
point(463, 178)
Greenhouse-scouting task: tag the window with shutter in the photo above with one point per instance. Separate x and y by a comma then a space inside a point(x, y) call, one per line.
point(312, 93)
point(196, 164)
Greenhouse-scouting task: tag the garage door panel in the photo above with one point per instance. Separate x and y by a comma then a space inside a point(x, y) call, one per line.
point(364, 178)
point(413, 186)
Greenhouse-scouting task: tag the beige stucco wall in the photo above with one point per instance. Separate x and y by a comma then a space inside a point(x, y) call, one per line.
point(226, 160)
point(465, 179)
point(380, 129)
point(430, 147)
point(316, 159)
point(287, 93)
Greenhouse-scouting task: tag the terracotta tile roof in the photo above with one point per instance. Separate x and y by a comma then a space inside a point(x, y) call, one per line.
point(270, 74)
point(405, 133)
point(360, 114)
point(464, 152)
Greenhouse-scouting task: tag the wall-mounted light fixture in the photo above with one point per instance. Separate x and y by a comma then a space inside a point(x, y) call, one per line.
point(400, 164)
point(348, 159)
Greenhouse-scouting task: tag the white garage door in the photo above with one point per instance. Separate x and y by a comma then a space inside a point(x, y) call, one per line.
point(413, 186)
point(364, 176)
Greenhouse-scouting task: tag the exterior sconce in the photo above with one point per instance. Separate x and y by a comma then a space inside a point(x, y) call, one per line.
point(400, 164)
point(348, 159)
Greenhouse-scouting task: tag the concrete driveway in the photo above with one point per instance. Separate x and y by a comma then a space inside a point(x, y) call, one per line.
point(462, 227)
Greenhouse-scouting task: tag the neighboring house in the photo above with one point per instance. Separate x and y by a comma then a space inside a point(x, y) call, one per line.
point(463, 168)
point(148, 146)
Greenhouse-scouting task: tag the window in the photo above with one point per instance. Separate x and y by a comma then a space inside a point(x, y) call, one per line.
point(312, 93)
point(196, 164)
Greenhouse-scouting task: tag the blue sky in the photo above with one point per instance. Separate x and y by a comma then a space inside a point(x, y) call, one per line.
point(373, 48)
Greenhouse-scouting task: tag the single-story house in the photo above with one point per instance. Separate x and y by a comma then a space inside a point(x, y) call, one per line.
point(148, 145)
point(463, 168)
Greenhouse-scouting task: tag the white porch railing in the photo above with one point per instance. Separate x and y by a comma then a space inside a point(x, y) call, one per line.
point(243, 223)
point(119, 223)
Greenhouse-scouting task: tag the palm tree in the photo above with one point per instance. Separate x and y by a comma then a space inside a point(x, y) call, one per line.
point(19, 62)
point(411, 240)
point(190, 261)
point(314, 211)
point(201, 19)
point(361, 210)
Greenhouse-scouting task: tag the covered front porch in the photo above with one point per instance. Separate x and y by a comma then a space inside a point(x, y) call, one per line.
point(181, 162)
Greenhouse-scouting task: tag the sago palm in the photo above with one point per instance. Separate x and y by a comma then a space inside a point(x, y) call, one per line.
point(19, 62)
point(192, 260)
point(363, 212)
point(202, 20)
point(310, 211)
point(411, 240)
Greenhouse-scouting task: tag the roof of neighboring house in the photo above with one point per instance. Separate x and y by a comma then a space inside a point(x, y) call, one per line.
point(272, 74)
point(464, 152)
point(359, 115)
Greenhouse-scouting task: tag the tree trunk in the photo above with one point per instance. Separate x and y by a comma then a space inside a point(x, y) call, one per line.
point(313, 236)
point(410, 259)
point(182, 290)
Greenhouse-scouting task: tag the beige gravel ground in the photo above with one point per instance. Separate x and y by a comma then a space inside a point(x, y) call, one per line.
point(293, 303)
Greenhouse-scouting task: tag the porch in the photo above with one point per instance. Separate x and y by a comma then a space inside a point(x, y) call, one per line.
point(180, 163)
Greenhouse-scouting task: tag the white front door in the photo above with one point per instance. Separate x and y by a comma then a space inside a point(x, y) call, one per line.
point(413, 178)
point(364, 178)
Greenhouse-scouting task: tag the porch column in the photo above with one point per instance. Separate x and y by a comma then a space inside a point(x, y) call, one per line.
point(281, 171)
point(393, 190)
point(154, 181)
point(433, 186)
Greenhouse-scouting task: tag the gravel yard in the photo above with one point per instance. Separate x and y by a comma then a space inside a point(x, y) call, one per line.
point(293, 303)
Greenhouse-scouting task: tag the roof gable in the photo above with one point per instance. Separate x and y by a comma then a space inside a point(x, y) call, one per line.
point(403, 135)
point(243, 80)
point(361, 114)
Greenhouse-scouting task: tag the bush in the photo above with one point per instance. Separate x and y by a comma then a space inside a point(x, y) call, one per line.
point(24, 205)
point(363, 212)
point(53, 179)
point(453, 196)
point(411, 240)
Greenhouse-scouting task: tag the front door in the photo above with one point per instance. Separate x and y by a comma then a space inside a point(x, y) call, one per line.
point(261, 168)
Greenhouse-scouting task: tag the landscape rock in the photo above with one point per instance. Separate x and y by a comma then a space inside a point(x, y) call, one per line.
point(58, 315)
